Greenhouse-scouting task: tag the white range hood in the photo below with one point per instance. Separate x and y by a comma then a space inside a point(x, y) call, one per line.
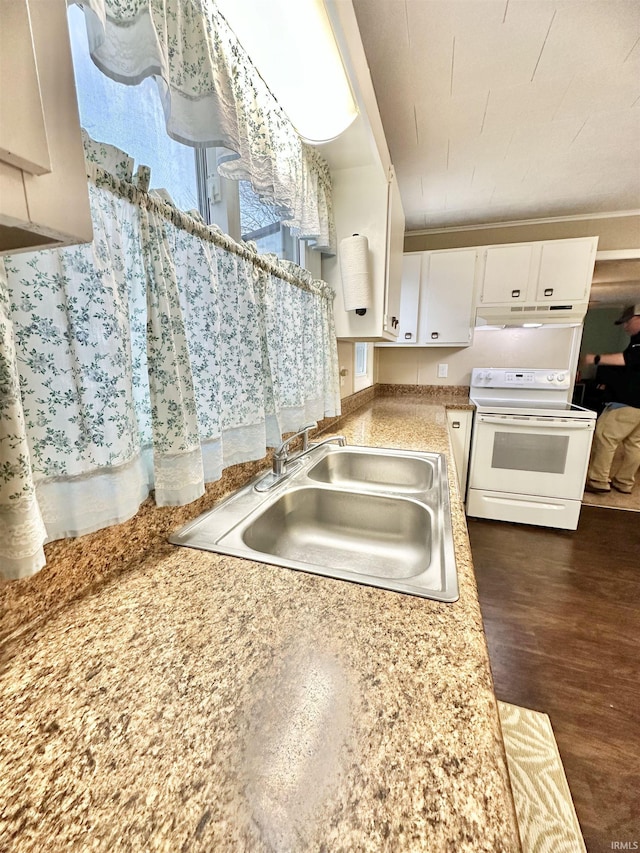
point(567, 314)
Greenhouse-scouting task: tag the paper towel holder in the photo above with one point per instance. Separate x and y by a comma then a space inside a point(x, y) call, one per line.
point(359, 311)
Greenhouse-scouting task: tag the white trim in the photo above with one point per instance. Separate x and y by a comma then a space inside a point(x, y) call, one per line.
point(363, 380)
point(487, 226)
point(618, 255)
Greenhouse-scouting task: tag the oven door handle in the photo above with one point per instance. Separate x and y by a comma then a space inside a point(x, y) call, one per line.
point(535, 422)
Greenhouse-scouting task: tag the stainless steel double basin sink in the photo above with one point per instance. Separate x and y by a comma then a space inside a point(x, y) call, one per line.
point(369, 515)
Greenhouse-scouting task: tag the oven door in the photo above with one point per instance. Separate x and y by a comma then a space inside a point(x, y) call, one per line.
point(528, 455)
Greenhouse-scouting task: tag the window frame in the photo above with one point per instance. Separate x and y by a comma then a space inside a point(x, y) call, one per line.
point(220, 204)
point(363, 378)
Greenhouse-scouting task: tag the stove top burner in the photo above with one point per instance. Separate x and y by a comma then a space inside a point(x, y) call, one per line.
point(532, 408)
point(534, 405)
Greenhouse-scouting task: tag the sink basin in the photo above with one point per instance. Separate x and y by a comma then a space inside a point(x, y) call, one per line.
point(379, 535)
point(368, 515)
point(360, 467)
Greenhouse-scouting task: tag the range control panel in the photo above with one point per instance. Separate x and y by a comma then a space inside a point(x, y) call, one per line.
point(515, 377)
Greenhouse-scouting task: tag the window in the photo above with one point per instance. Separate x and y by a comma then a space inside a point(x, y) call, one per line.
point(241, 213)
point(131, 118)
point(363, 366)
point(261, 222)
point(361, 359)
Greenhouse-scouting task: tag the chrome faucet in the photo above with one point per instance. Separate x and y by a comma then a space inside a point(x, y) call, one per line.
point(313, 445)
point(281, 455)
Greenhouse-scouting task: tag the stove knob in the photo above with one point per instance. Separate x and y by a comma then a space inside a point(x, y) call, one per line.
point(560, 377)
point(480, 376)
point(489, 377)
point(550, 377)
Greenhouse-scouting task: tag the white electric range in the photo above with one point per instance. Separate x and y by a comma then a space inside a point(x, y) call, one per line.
point(530, 447)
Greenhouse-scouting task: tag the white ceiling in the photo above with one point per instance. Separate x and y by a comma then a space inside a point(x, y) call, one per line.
point(507, 110)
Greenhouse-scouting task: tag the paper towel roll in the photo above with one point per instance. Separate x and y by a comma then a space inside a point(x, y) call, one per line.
point(354, 267)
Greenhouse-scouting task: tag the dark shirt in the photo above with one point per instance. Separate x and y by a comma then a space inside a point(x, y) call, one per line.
point(629, 391)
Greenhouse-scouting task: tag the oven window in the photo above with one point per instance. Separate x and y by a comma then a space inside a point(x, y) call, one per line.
point(519, 451)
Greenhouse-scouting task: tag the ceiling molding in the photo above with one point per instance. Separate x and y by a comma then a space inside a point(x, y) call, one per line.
point(618, 255)
point(451, 229)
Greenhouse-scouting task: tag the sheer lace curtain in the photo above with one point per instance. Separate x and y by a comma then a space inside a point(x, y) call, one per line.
point(22, 531)
point(213, 96)
point(151, 358)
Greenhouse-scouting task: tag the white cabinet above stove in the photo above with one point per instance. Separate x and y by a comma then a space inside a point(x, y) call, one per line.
point(566, 270)
point(546, 281)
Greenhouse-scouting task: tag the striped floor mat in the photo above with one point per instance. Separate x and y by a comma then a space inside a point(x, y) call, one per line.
point(546, 816)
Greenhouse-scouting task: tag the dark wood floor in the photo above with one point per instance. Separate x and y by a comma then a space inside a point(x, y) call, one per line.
point(562, 618)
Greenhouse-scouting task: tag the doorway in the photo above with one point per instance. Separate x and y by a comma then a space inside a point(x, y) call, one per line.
point(601, 335)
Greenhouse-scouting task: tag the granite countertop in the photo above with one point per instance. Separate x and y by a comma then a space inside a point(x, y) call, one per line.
point(200, 702)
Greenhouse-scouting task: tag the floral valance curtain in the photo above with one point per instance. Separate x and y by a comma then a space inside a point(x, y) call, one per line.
point(212, 95)
point(152, 358)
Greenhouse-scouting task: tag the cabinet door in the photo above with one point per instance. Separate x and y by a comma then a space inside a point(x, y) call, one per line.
point(566, 270)
point(507, 271)
point(55, 199)
point(459, 422)
point(409, 298)
point(446, 299)
point(394, 268)
point(23, 135)
point(361, 198)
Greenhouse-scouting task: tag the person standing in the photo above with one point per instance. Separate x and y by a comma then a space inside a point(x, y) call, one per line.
point(619, 423)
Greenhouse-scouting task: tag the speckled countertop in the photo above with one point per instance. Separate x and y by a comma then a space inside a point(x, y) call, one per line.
point(186, 701)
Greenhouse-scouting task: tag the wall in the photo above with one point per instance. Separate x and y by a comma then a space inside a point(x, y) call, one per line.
point(614, 232)
point(600, 332)
point(602, 335)
point(544, 347)
point(346, 360)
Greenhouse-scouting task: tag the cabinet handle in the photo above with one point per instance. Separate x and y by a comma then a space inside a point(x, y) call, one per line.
point(455, 424)
point(548, 291)
point(435, 335)
point(515, 293)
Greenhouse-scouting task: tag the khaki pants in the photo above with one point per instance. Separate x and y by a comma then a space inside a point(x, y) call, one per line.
point(616, 427)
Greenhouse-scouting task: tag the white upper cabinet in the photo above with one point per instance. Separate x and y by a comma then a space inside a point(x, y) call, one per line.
point(507, 273)
point(566, 270)
point(44, 198)
point(538, 273)
point(437, 299)
point(366, 201)
point(366, 197)
point(23, 139)
point(551, 273)
point(410, 298)
point(447, 297)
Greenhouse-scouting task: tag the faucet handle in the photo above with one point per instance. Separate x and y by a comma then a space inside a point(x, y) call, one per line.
point(281, 452)
point(304, 431)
